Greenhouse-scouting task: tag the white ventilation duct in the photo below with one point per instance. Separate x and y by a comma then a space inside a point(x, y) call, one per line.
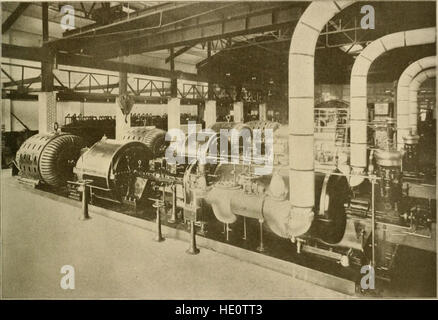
point(358, 86)
point(301, 106)
point(403, 95)
point(413, 95)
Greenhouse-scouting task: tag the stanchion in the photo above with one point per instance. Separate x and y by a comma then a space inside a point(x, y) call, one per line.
point(172, 218)
point(227, 231)
point(191, 213)
point(373, 221)
point(158, 205)
point(192, 248)
point(261, 247)
point(83, 187)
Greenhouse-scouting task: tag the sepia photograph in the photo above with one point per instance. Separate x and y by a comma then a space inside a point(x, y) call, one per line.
point(218, 150)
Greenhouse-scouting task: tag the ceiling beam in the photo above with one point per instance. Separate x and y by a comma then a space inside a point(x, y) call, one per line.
point(28, 81)
point(178, 53)
point(232, 23)
point(14, 16)
point(36, 54)
point(135, 19)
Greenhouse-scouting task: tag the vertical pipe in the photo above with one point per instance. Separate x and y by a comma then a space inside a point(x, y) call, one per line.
point(192, 248)
point(85, 199)
point(403, 95)
point(414, 87)
point(173, 215)
point(261, 247)
point(158, 204)
point(301, 108)
point(358, 85)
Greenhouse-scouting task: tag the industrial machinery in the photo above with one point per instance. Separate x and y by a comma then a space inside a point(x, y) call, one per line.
point(154, 138)
point(147, 119)
point(357, 219)
point(48, 158)
point(90, 128)
point(160, 122)
point(352, 224)
point(114, 169)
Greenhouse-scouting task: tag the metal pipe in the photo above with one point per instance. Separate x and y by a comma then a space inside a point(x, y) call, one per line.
point(301, 106)
point(192, 248)
point(358, 86)
point(172, 218)
point(403, 95)
point(158, 204)
point(261, 247)
point(85, 198)
point(414, 87)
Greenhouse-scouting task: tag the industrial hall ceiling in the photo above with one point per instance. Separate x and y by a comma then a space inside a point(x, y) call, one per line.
point(239, 43)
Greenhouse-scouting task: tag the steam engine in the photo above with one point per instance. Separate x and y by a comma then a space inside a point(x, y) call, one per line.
point(356, 219)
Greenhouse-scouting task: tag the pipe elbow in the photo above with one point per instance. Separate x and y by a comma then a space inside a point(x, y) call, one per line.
point(356, 176)
point(300, 221)
point(287, 221)
point(219, 199)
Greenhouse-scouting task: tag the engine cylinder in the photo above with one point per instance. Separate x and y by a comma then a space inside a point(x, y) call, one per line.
point(113, 165)
point(49, 158)
point(154, 138)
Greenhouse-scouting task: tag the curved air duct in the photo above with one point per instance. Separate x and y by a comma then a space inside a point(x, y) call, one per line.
point(358, 86)
point(403, 95)
point(413, 94)
point(301, 107)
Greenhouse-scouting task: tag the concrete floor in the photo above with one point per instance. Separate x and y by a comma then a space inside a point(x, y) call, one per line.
point(117, 260)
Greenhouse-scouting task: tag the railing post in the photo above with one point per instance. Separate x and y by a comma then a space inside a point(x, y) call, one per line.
point(85, 189)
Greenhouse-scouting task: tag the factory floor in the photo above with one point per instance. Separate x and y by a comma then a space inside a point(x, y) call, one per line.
point(112, 259)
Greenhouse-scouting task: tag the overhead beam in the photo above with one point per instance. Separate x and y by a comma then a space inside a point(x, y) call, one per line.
point(147, 23)
point(14, 16)
point(22, 82)
point(178, 53)
point(22, 53)
point(135, 18)
point(97, 87)
point(253, 20)
point(246, 24)
point(90, 97)
point(37, 54)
